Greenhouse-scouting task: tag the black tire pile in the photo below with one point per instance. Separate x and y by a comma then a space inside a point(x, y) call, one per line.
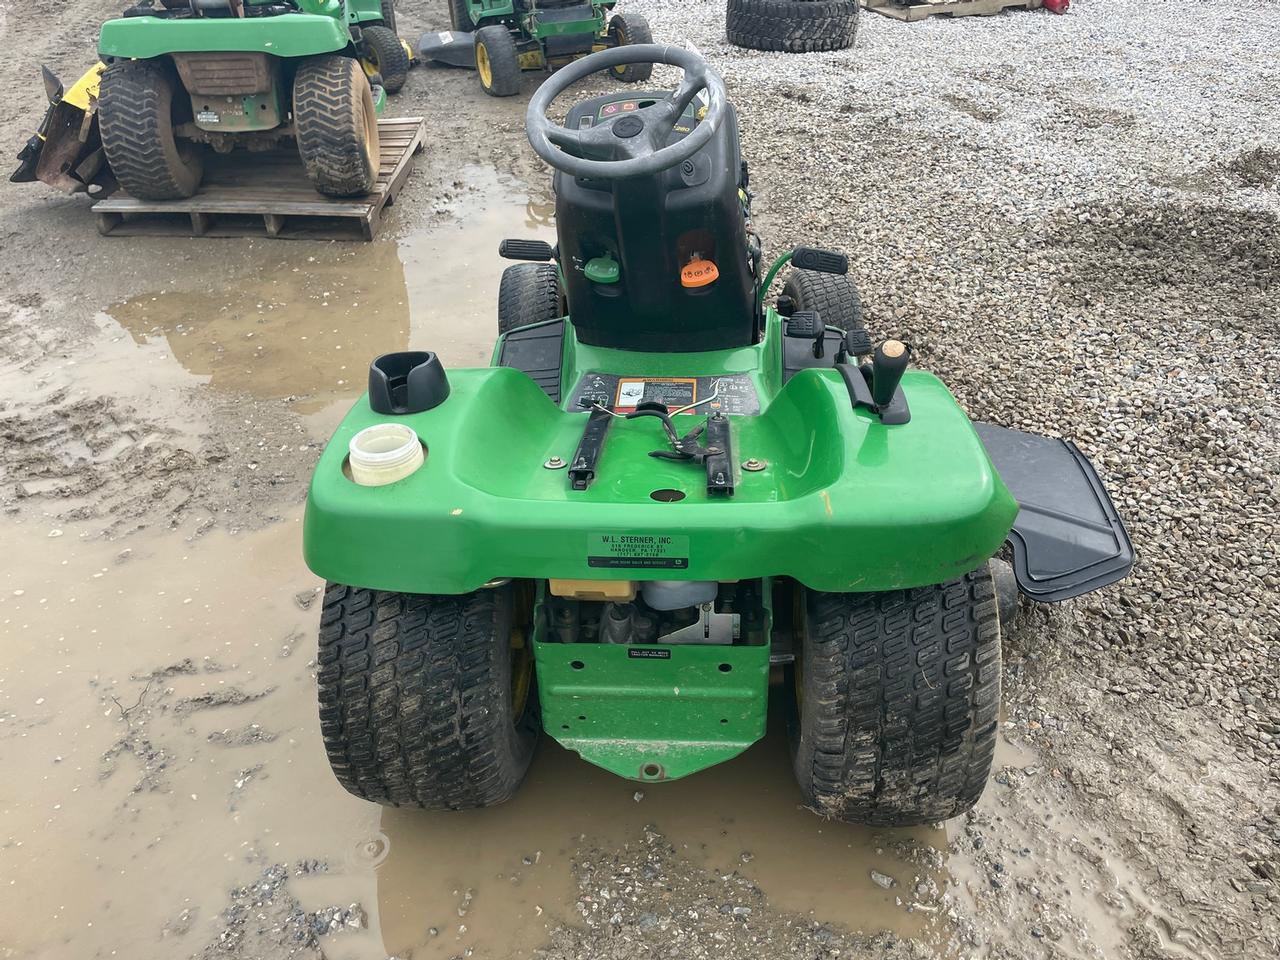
point(792, 26)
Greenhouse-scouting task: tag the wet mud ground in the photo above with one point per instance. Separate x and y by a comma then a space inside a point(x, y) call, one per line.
point(162, 403)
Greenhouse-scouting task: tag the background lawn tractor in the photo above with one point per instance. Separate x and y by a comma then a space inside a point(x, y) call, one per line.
point(642, 507)
point(511, 36)
point(67, 150)
point(221, 74)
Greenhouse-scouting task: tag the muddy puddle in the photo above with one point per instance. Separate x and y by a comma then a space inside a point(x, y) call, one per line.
point(302, 322)
point(743, 816)
point(162, 692)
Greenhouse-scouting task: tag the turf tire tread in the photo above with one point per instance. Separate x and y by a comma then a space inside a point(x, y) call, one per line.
point(528, 293)
point(901, 697)
point(415, 699)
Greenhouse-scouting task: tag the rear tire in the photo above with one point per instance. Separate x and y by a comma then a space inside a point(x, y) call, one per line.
point(898, 697)
point(389, 14)
point(834, 296)
point(460, 15)
point(625, 31)
point(792, 26)
point(497, 61)
point(385, 54)
point(416, 695)
point(529, 293)
point(336, 126)
point(136, 116)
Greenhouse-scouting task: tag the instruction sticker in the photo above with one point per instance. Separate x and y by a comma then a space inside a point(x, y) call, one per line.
point(673, 391)
point(647, 653)
point(638, 550)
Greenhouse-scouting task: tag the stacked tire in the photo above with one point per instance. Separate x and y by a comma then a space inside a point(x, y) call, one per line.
point(792, 26)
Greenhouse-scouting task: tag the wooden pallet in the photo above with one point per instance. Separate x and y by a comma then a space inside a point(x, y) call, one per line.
point(920, 9)
point(267, 193)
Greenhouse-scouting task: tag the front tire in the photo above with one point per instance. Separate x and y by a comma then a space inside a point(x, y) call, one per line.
point(624, 31)
point(897, 701)
point(336, 126)
point(529, 293)
point(497, 61)
point(136, 115)
point(427, 701)
point(385, 55)
point(832, 295)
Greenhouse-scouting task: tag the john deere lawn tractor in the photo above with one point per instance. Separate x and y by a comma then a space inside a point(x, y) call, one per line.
point(192, 75)
point(382, 53)
point(662, 489)
point(505, 37)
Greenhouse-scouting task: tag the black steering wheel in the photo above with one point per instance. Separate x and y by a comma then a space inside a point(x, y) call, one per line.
point(631, 144)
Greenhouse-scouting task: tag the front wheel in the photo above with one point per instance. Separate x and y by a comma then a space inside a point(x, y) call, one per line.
point(832, 295)
point(529, 293)
point(428, 701)
point(384, 54)
point(624, 31)
point(336, 126)
point(896, 700)
point(497, 61)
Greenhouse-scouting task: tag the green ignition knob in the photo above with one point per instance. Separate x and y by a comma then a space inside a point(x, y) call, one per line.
point(602, 269)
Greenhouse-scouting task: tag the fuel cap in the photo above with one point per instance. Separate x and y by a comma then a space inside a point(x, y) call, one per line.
point(627, 126)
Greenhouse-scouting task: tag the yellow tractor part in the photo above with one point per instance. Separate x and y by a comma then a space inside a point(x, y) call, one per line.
point(66, 151)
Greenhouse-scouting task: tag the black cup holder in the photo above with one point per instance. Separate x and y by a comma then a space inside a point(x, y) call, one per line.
point(408, 382)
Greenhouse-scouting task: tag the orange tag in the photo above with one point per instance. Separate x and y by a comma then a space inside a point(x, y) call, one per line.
point(698, 273)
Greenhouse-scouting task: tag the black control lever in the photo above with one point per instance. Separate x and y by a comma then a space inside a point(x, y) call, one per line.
point(888, 364)
point(807, 325)
point(857, 343)
point(821, 261)
point(537, 250)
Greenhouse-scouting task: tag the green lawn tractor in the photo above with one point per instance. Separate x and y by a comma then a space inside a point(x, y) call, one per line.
point(382, 53)
point(505, 37)
point(662, 490)
point(192, 75)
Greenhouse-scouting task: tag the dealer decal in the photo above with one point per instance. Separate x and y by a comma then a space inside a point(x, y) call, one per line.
point(638, 550)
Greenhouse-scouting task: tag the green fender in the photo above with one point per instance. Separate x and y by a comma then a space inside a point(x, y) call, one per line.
point(288, 35)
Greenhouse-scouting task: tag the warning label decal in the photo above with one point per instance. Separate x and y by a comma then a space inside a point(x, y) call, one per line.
point(638, 550)
point(648, 653)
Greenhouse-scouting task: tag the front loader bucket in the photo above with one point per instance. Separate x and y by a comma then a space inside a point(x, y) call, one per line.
point(1067, 538)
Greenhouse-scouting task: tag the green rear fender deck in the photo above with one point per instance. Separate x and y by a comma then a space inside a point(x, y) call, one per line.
point(845, 502)
point(287, 35)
